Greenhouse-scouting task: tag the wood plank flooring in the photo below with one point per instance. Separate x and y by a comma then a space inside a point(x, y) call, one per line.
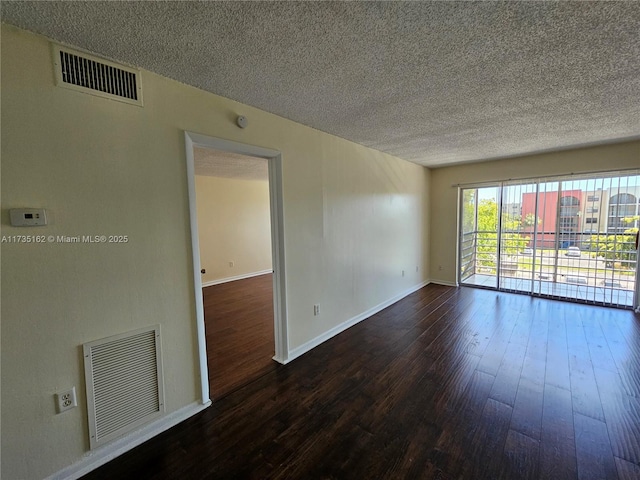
point(448, 383)
point(238, 320)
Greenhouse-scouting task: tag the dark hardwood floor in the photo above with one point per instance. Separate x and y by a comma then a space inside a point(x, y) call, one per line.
point(445, 384)
point(238, 320)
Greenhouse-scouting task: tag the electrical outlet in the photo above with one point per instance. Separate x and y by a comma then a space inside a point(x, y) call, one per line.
point(66, 400)
point(231, 264)
point(316, 310)
point(439, 267)
point(403, 273)
point(416, 268)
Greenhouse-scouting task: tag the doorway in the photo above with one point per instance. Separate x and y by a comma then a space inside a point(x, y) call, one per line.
point(566, 237)
point(273, 158)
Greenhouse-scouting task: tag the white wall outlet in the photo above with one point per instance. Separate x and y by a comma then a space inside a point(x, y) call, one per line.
point(231, 264)
point(403, 273)
point(66, 400)
point(316, 310)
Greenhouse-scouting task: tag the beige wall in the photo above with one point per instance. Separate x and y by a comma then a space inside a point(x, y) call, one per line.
point(444, 195)
point(233, 226)
point(354, 219)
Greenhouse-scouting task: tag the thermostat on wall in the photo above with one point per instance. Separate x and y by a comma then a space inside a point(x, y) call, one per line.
point(28, 217)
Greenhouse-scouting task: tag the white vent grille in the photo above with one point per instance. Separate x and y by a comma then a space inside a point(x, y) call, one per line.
point(83, 72)
point(124, 383)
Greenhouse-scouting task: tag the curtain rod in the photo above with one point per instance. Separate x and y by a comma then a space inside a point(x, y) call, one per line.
point(601, 173)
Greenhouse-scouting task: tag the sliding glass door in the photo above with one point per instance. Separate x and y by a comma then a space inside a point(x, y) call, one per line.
point(479, 237)
point(571, 237)
point(517, 231)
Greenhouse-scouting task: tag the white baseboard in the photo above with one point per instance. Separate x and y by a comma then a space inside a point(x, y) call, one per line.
point(304, 348)
point(444, 282)
point(237, 277)
point(102, 455)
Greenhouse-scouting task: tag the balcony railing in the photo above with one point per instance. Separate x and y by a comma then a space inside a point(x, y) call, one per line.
point(604, 260)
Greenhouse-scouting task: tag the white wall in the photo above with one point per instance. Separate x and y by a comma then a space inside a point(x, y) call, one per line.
point(233, 226)
point(354, 218)
point(444, 193)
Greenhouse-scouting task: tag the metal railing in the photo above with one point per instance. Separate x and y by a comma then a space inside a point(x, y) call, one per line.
point(599, 260)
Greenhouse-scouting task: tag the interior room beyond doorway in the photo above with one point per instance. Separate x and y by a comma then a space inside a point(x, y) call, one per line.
point(234, 230)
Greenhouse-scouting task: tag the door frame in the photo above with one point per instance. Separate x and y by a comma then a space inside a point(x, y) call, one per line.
point(636, 294)
point(274, 159)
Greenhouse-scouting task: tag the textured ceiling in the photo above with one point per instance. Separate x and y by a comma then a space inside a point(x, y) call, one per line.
point(434, 83)
point(214, 163)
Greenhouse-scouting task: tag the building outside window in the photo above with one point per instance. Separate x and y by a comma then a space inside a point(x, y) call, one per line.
point(621, 207)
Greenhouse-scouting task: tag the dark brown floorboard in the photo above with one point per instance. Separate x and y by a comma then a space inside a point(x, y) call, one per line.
point(557, 439)
point(448, 383)
point(238, 320)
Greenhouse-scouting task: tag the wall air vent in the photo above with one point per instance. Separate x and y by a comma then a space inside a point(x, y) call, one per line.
point(86, 73)
point(124, 383)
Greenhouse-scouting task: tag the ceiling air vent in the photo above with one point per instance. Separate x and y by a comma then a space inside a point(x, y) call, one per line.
point(89, 74)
